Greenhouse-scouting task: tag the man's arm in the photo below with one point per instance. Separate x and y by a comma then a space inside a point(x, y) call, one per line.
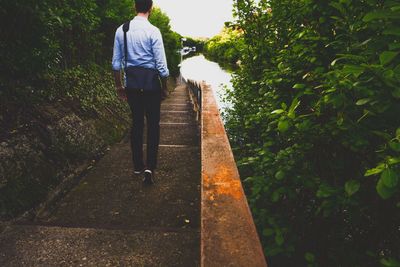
point(118, 78)
point(116, 65)
point(159, 54)
point(118, 84)
point(161, 62)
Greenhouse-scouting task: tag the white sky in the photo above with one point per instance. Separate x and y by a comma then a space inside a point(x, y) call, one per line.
point(197, 18)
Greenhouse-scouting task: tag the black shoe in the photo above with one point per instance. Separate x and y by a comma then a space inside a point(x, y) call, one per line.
point(148, 177)
point(139, 171)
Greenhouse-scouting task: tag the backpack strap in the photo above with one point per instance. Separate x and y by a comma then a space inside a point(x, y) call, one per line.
point(125, 28)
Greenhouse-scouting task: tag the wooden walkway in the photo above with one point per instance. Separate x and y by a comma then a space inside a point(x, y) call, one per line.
point(111, 219)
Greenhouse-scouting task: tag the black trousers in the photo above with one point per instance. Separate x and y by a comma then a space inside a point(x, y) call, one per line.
point(144, 103)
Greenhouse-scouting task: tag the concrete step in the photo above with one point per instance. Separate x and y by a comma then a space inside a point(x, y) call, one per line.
point(177, 101)
point(179, 134)
point(170, 117)
point(179, 93)
point(181, 88)
point(176, 107)
point(110, 196)
point(56, 246)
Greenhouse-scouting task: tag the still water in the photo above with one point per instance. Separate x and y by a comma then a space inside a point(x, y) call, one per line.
point(198, 68)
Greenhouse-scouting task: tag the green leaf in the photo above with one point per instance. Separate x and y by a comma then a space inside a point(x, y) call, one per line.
point(384, 191)
point(390, 178)
point(396, 92)
point(279, 239)
point(333, 63)
point(338, 6)
point(397, 68)
point(325, 191)
point(384, 135)
point(268, 232)
point(363, 101)
point(280, 175)
point(390, 262)
point(387, 56)
point(353, 69)
point(393, 161)
point(299, 86)
point(277, 111)
point(394, 46)
point(310, 258)
point(351, 187)
point(295, 104)
point(302, 34)
point(392, 31)
point(381, 14)
point(275, 196)
point(395, 146)
point(398, 133)
point(283, 126)
point(374, 171)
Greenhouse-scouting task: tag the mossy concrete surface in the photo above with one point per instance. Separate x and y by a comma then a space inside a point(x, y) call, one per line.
point(36, 156)
point(111, 219)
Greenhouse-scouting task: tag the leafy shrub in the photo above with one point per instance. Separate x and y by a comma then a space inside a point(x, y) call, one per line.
point(61, 35)
point(227, 46)
point(172, 40)
point(315, 128)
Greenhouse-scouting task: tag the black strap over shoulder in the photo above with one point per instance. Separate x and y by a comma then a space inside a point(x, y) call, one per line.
point(125, 28)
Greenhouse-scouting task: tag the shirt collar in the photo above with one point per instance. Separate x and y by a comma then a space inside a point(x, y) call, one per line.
point(140, 18)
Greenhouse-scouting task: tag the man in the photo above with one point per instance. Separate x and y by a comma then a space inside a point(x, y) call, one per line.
point(145, 56)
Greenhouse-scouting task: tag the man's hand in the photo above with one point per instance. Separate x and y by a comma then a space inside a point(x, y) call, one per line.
point(121, 93)
point(164, 89)
point(118, 84)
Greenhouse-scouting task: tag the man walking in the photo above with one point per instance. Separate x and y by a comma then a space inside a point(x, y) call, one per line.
point(138, 46)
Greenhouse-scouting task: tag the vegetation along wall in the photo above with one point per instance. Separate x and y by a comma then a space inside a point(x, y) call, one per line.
point(316, 128)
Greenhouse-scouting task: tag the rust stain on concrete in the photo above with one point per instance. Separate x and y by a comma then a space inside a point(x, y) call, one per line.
point(223, 182)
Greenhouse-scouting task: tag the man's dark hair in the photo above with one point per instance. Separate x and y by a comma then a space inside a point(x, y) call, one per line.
point(143, 6)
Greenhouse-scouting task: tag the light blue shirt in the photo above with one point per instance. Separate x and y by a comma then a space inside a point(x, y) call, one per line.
point(145, 47)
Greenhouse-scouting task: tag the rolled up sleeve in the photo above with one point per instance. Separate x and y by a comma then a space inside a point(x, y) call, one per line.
point(117, 52)
point(159, 54)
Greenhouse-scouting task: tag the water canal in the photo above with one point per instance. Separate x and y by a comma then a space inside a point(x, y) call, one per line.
point(198, 68)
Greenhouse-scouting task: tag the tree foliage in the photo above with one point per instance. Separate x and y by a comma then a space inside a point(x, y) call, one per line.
point(226, 46)
point(172, 40)
point(315, 123)
point(40, 37)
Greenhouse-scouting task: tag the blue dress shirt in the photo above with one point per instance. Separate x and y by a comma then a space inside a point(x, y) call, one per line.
point(145, 47)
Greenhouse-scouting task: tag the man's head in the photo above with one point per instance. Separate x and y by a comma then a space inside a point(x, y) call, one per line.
point(143, 6)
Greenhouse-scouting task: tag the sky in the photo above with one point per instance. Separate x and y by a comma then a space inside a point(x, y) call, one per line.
point(197, 18)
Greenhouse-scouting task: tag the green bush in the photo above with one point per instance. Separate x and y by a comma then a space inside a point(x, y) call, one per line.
point(41, 37)
point(172, 40)
point(226, 47)
point(315, 128)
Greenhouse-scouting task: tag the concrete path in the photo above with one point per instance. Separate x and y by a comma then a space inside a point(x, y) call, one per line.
point(111, 219)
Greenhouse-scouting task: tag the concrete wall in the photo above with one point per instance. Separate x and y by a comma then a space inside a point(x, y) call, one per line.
point(228, 233)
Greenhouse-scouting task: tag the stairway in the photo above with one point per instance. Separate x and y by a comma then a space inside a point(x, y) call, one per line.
point(111, 219)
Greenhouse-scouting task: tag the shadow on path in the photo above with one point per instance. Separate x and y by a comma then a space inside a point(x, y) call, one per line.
point(111, 219)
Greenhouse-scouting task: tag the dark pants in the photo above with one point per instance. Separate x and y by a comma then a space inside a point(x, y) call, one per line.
point(144, 104)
